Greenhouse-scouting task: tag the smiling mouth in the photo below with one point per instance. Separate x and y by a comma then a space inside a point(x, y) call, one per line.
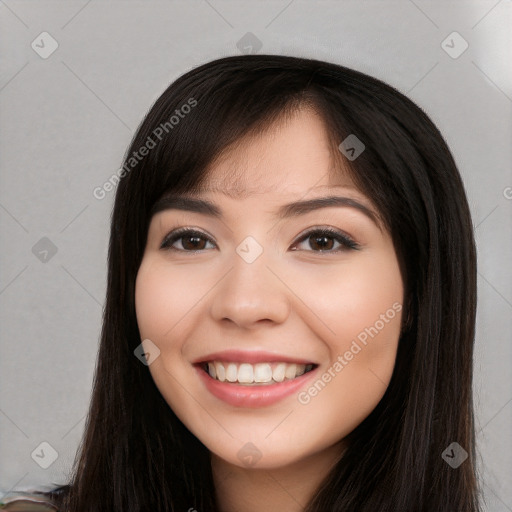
point(260, 374)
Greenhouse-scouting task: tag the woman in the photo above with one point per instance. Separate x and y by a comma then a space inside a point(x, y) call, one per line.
point(290, 309)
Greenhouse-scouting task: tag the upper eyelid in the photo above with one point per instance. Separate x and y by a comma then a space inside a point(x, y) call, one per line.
point(191, 229)
point(184, 230)
point(180, 232)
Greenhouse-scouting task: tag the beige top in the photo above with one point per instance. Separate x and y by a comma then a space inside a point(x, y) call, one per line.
point(26, 502)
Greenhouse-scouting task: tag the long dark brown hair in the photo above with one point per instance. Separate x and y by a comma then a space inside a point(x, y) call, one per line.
point(136, 455)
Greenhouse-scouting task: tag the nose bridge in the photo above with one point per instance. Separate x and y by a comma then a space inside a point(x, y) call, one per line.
point(250, 292)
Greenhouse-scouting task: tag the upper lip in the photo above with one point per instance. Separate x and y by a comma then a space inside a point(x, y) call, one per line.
point(255, 356)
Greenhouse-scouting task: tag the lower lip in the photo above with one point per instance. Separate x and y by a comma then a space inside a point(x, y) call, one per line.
point(253, 396)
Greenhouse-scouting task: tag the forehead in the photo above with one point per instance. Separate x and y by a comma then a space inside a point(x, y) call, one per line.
point(283, 169)
point(294, 153)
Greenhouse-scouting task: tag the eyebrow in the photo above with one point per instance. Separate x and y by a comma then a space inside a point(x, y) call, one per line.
point(295, 209)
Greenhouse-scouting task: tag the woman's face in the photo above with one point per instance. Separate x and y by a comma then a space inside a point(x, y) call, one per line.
point(260, 295)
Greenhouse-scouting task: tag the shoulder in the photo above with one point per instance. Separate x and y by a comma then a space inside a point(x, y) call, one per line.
point(26, 502)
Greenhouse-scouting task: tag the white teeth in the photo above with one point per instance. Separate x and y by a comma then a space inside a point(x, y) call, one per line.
point(290, 371)
point(245, 373)
point(279, 371)
point(260, 373)
point(231, 372)
point(221, 372)
point(301, 369)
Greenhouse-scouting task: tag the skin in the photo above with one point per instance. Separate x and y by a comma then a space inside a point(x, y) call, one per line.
point(294, 302)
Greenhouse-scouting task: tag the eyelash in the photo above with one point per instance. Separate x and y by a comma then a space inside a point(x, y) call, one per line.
point(346, 242)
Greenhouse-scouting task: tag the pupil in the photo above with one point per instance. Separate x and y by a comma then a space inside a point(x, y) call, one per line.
point(194, 244)
point(322, 245)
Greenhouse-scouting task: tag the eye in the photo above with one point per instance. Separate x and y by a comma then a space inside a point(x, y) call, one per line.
point(191, 240)
point(321, 240)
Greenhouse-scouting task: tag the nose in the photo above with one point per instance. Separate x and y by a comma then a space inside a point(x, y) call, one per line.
point(250, 294)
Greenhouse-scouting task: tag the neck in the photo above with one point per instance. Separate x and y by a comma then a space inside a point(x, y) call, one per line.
point(287, 488)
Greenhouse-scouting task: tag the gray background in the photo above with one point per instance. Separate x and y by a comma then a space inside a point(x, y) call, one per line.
point(67, 119)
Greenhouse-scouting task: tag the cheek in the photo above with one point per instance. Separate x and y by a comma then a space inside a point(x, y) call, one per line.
point(165, 294)
point(361, 300)
point(371, 314)
point(363, 308)
point(163, 298)
point(154, 306)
